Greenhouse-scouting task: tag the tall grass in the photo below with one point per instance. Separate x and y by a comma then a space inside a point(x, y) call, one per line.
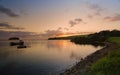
point(110, 64)
point(114, 40)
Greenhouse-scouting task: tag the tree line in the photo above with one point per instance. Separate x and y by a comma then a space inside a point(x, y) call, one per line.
point(96, 38)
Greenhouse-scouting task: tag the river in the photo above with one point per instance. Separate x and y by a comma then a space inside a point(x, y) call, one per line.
point(42, 57)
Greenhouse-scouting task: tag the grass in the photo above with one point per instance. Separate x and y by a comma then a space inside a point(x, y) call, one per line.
point(114, 40)
point(110, 64)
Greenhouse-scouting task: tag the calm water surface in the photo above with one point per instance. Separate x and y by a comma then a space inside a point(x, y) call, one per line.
point(43, 57)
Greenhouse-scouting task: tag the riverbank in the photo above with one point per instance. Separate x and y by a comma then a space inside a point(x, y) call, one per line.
point(110, 64)
point(83, 67)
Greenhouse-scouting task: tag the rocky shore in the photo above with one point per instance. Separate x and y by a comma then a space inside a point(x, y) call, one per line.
point(82, 67)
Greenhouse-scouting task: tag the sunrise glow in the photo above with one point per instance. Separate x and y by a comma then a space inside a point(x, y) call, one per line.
point(44, 18)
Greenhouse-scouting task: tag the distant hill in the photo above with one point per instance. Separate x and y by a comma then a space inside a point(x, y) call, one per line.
point(94, 39)
point(67, 37)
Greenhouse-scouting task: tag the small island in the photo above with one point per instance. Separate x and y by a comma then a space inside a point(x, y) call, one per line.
point(14, 38)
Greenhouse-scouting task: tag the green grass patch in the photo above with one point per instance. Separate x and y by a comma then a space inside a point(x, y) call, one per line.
point(115, 40)
point(110, 64)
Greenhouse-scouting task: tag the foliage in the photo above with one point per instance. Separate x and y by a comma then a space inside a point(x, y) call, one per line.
point(110, 64)
point(114, 40)
point(66, 38)
point(96, 38)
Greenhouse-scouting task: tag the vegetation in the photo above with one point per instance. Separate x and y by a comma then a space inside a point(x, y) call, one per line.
point(114, 40)
point(110, 64)
point(66, 38)
point(14, 38)
point(96, 38)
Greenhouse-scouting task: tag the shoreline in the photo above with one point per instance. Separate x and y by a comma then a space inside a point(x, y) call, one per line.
point(82, 67)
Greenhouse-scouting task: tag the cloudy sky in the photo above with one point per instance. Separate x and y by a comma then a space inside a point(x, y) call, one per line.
point(58, 17)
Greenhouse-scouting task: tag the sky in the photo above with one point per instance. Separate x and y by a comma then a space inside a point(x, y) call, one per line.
point(47, 18)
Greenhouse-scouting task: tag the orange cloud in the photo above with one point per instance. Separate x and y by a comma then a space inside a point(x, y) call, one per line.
point(113, 18)
point(75, 21)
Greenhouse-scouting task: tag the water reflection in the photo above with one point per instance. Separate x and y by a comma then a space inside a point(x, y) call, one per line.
point(44, 57)
point(75, 56)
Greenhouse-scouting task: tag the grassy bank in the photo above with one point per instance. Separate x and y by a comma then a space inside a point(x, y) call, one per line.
point(114, 40)
point(110, 64)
